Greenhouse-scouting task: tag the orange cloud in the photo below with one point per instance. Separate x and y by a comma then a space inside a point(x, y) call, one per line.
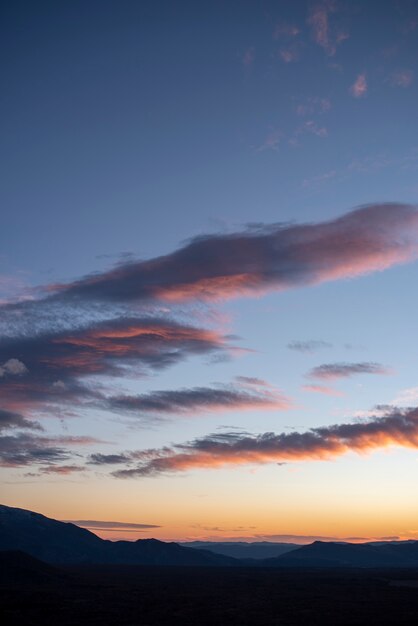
point(396, 428)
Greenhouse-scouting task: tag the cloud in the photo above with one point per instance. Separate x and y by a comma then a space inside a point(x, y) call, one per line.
point(106, 525)
point(359, 88)
point(272, 141)
point(311, 345)
point(61, 470)
point(13, 367)
point(290, 53)
point(331, 371)
point(328, 391)
point(323, 34)
point(27, 449)
point(306, 539)
point(285, 30)
point(57, 349)
point(407, 397)
point(275, 257)
point(108, 459)
point(314, 129)
point(316, 182)
point(397, 427)
point(244, 394)
point(313, 106)
point(10, 420)
point(58, 361)
point(402, 78)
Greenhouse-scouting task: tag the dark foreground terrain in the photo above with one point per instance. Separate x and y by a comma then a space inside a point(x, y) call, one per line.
point(34, 594)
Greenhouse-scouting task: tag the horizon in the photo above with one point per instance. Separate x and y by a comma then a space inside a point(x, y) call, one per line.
point(209, 248)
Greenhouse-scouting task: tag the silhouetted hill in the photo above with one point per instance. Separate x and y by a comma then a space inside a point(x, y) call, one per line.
point(333, 554)
point(243, 549)
point(64, 543)
point(61, 542)
point(18, 568)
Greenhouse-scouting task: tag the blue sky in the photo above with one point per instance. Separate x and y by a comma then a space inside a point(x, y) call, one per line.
point(128, 130)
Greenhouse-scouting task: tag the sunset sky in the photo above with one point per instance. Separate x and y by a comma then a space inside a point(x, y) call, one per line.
point(208, 267)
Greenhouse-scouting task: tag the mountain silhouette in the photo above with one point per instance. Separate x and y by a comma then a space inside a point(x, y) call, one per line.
point(18, 568)
point(244, 549)
point(336, 554)
point(64, 543)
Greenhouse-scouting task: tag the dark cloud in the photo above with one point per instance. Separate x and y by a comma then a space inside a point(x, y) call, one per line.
point(242, 395)
point(275, 257)
point(28, 449)
point(11, 420)
point(329, 371)
point(105, 525)
point(311, 345)
point(108, 459)
point(58, 361)
point(61, 470)
point(397, 427)
point(57, 346)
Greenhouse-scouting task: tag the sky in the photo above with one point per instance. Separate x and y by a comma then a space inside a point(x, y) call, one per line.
point(209, 236)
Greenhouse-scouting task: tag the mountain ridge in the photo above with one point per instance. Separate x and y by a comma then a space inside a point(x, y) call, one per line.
point(55, 542)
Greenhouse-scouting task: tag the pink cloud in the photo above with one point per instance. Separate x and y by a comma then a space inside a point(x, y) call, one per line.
point(328, 391)
point(323, 33)
point(217, 267)
point(359, 88)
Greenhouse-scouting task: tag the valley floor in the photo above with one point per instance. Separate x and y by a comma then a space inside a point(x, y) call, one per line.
point(150, 596)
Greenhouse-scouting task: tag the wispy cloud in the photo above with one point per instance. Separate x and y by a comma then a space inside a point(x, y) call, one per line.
point(316, 182)
point(396, 428)
point(29, 449)
point(359, 88)
point(332, 371)
point(271, 141)
point(243, 394)
point(310, 345)
point(285, 30)
point(407, 397)
point(402, 78)
point(306, 539)
point(290, 53)
point(324, 33)
point(327, 391)
point(313, 106)
point(110, 526)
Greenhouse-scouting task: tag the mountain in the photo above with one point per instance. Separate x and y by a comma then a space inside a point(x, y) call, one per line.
point(335, 554)
point(64, 543)
point(243, 549)
point(17, 567)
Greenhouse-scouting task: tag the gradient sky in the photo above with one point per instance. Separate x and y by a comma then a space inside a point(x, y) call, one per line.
point(208, 267)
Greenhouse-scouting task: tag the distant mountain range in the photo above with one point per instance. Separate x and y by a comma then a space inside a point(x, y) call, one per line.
point(55, 542)
point(243, 549)
point(64, 543)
